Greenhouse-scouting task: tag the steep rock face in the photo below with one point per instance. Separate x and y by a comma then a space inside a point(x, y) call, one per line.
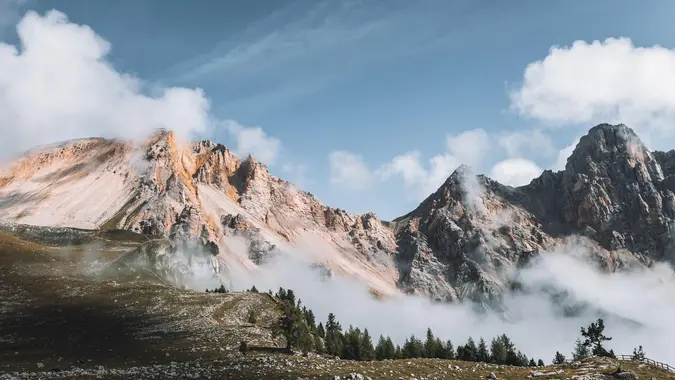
point(615, 198)
point(613, 190)
point(465, 240)
point(192, 193)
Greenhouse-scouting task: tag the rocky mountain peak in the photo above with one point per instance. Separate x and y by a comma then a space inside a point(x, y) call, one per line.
point(462, 241)
point(613, 151)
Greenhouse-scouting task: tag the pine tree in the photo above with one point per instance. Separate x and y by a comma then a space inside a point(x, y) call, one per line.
point(389, 349)
point(638, 354)
point(334, 338)
point(291, 325)
point(470, 350)
point(380, 349)
point(523, 360)
point(290, 296)
point(460, 355)
point(429, 350)
point(309, 318)
point(449, 350)
point(580, 351)
point(367, 350)
point(594, 335)
point(413, 348)
point(559, 358)
point(498, 351)
point(532, 363)
point(352, 344)
point(253, 289)
point(332, 323)
point(540, 363)
point(483, 354)
point(320, 331)
point(399, 352)
point(512, 358)
point(439, 349)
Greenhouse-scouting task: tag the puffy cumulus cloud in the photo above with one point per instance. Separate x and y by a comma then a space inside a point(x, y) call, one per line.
point(533, 142)
point(253, 141)
point(348, 171)
point(58, 85)
point(469, 146)
point(515, 171)
point(608, 81)
point(420, 180)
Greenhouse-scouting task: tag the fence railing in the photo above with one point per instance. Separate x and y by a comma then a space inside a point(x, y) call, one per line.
point(647, 361)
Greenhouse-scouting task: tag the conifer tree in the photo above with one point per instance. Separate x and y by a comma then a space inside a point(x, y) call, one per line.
point(380, 349)
point(334, 339)
point(413, 348)
point(559, 358)
point(483, 353)
point(580, 351)
point(292, 326)
point(638, 354)
point(532, 363)
point(367, 350)
point(429, 350)
point(320, 331)
point(389, 349)
point(594, 337)
point(449, 350)
point(399, 352)
point(470, 350)
point(540, 363)
point(351, 350)
point(498, 351)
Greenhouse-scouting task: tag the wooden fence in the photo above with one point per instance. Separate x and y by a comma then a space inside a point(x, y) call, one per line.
point(650, 362)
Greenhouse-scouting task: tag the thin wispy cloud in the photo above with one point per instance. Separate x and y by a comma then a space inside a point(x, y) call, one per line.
point(299, 51)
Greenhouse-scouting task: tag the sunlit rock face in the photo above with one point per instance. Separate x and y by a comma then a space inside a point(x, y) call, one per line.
point(219, 213)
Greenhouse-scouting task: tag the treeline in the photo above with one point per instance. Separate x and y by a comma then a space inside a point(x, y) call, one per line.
point(298, 326)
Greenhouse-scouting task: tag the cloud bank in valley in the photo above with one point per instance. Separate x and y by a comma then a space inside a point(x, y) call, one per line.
point(637, 306)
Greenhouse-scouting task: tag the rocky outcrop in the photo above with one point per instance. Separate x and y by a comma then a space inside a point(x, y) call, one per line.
point(200, 195)
point(465, 241)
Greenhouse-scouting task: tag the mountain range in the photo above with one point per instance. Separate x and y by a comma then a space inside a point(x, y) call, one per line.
point(614, 198)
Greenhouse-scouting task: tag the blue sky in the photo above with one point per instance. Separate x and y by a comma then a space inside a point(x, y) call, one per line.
point(366, 83)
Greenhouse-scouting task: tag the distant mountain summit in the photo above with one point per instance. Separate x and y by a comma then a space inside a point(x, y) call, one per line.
point(463, 241)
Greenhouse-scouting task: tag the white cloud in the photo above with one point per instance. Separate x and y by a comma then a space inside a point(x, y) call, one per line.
point(253, 141)
point(564, 154)
point(515, 171)
point(59, 85)
point(349, 171)
point(526, 142)
point(296, 173)
point(637, 306)
point(419, 181)
point(468, 148)
point(609, 81)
